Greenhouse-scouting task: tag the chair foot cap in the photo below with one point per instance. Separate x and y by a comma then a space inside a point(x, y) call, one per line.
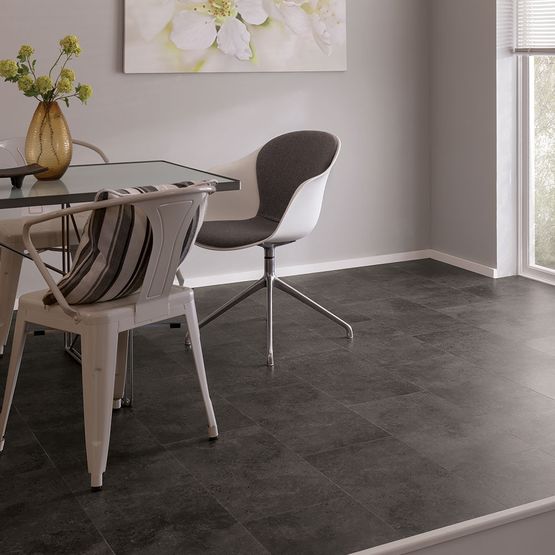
point(2, 444)
point(212, 432)
point(116, 404)
point(94, 489)
point(270, 360)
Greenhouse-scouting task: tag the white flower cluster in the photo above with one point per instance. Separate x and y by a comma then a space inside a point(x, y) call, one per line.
point(228, 25)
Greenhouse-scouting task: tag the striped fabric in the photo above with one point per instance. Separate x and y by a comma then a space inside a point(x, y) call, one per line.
point(114, 252)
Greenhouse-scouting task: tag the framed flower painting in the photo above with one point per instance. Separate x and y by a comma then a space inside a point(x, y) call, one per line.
point(187, 36)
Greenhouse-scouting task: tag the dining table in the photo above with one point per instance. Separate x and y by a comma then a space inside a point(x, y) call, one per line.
point(81, 183)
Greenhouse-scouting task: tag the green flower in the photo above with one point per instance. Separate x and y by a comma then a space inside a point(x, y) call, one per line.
point(70, 45)
point(84, 92)
point(8, 69)
point(64, 86)
point(67, 74)
point(25, 52)
point(44, 84)
point(25, 83)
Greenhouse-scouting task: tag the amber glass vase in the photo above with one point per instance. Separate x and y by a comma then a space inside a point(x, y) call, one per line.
point(48, 141)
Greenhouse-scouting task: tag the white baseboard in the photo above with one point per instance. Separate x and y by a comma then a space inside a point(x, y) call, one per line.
point(448, 535)
point(331, 265)
point(327, 266)
point(463, 263)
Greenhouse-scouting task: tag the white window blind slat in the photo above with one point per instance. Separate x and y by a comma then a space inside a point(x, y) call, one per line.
point(535, 26)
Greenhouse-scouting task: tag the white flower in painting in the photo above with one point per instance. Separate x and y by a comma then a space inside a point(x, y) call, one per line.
point(151, 16)
point(291, 13)
point(328, 20)
point(322, 20)
point(198, 24)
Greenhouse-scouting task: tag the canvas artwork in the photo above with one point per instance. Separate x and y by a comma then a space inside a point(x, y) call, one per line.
point(182, 36)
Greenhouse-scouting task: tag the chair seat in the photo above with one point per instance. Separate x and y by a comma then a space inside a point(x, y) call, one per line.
point(44, 235)
point(232, 234)
point(120, 310)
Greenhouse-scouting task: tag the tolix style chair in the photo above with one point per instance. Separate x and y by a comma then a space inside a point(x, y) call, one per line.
point(121, 279)
point(48, 235)
point(286, 180)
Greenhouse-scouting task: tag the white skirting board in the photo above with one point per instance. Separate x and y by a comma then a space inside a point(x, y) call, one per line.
point(527, 529)
point(332, 265)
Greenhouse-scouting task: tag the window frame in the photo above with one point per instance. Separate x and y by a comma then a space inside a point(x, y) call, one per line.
point(526, 168)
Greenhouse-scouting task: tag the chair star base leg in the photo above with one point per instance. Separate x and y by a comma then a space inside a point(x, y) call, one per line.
point(286, 288)
point(269, 280)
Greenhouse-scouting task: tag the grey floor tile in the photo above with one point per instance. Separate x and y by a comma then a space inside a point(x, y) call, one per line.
point(39, 515)
point(503, 356)
point(406, 316)
point(519, 479)
point(306, 419)
point(338, 287)
point(253, 475)
point(446, 434)
point(338, 526)
point(400, 486)
point(440, 409)
point(347, 378)
point(384, 349)
point(22, 452)
point(173, 410)
point(443, 273)
point(153, 505)
point(514, 287)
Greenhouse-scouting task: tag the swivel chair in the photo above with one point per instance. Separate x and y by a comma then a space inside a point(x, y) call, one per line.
point(287, 178)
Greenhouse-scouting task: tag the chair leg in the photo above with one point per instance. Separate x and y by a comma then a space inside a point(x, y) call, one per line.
point(194, 335)
point(312, 304)
point(99, 347)
point(260, 284)
point(121, 369)
point(270, 319)
point(13, 371)
point(10, 268)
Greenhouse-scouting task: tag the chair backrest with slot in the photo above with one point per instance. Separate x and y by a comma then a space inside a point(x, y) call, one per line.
point(12, 152)
point(171, 217)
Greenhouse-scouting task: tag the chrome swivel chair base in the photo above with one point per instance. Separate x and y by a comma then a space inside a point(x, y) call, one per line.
point(269, 280)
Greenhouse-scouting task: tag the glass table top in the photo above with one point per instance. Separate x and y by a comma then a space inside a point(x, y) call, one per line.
point(81, 183)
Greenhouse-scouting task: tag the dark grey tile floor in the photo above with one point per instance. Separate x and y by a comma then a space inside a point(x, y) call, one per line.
point(441, 409)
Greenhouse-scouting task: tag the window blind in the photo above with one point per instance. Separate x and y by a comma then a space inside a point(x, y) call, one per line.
point(535, 26)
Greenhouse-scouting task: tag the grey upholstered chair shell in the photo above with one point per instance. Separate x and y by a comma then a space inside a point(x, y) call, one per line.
point(290, 174)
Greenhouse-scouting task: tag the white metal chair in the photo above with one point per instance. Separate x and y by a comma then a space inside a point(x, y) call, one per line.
point(104, 326)
point(48, 235)
point(283, 183)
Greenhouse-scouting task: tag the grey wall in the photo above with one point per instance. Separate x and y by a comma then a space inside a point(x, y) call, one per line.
point(377, 201)
point(463, 129)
